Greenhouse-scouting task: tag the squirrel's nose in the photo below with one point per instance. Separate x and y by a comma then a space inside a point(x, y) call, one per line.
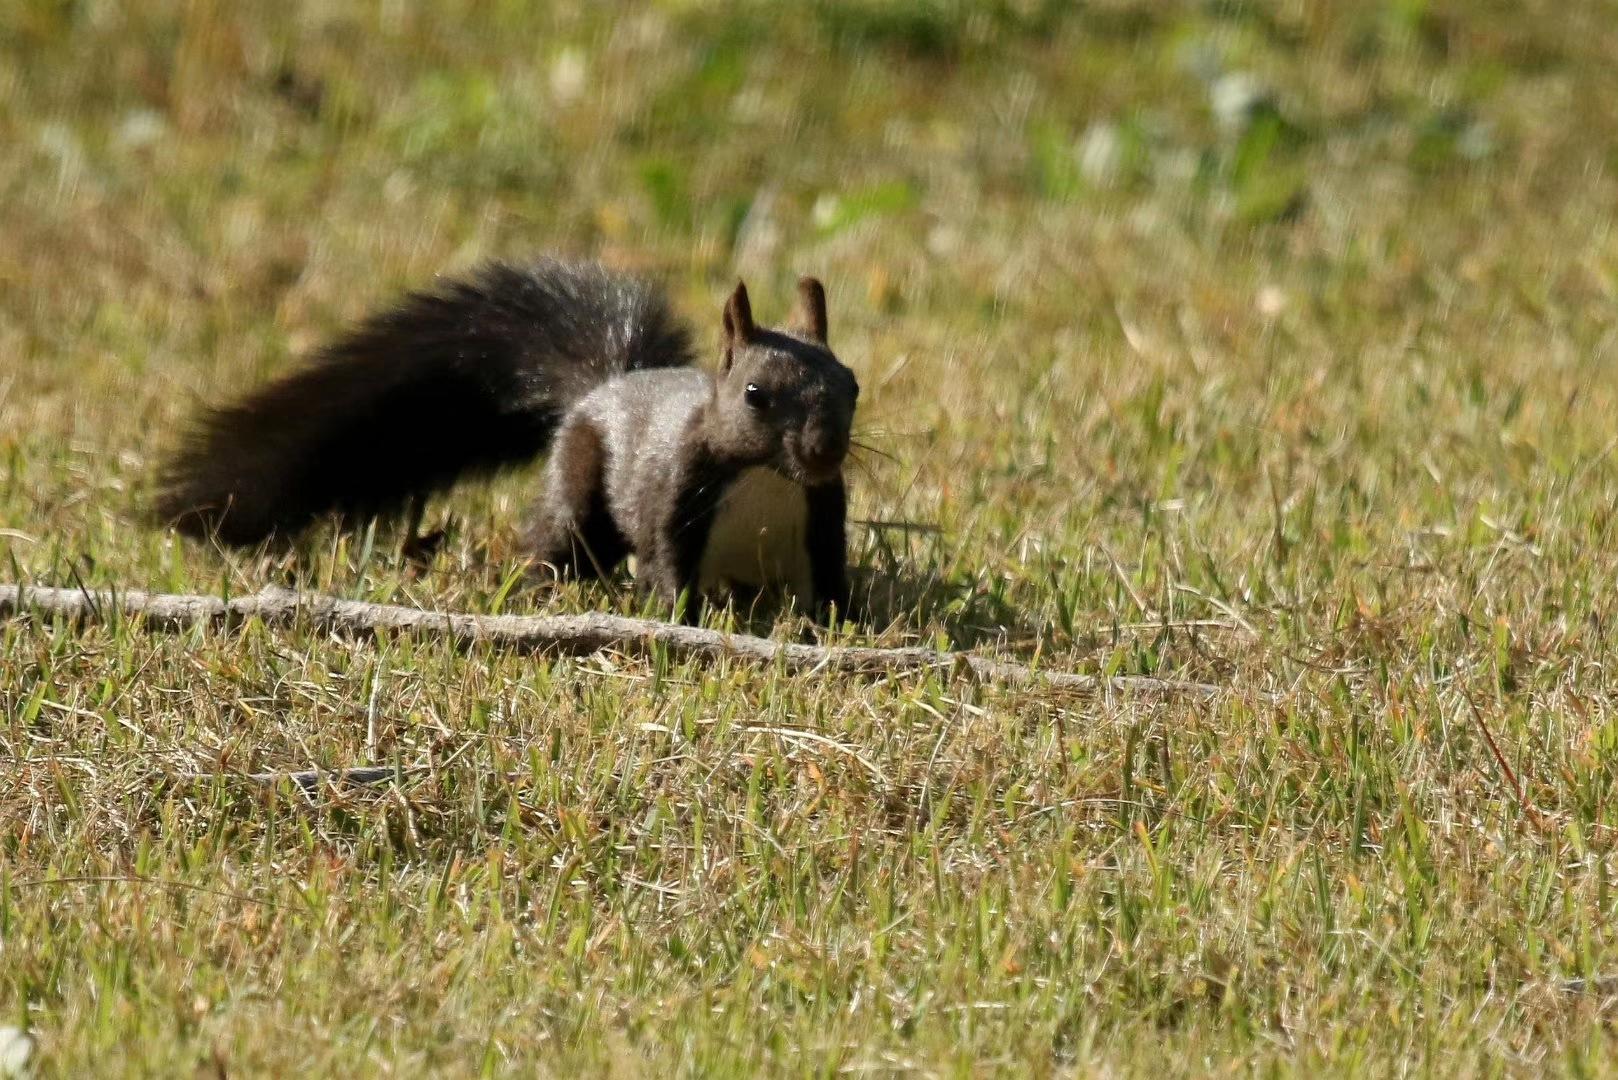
point(823, 460)
point(823, 451)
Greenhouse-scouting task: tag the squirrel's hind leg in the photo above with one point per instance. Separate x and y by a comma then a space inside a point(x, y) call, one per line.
point(572, 528)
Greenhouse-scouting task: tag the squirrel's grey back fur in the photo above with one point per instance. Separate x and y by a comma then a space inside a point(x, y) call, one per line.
point(466, 378)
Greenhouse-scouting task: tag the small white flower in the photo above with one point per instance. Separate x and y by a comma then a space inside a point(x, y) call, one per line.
point(825, 211)
point(141, 127)
point(569, 73)
point(1270, 301)
point(1236, 98)
point(1101, 153)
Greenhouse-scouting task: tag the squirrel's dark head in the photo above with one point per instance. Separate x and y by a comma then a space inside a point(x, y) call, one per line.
point(783, 399)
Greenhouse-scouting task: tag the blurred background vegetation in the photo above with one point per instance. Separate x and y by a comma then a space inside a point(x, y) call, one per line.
point(298, 159)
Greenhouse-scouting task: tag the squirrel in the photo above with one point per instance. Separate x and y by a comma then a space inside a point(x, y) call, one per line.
point(712, 482)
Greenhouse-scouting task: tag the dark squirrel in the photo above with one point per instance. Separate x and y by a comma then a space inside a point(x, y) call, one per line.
point(734, 480)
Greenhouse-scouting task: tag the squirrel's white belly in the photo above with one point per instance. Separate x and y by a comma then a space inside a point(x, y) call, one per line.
point(758, 536)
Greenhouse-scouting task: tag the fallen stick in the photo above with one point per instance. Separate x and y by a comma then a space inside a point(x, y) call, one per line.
point(570, 634)
point(310, 780)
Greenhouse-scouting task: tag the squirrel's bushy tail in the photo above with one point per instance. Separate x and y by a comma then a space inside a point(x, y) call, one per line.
point(465, 378)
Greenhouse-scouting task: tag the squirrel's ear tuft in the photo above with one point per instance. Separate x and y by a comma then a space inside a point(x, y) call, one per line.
point(809, 317)
point(738, 318)
point(738, 323)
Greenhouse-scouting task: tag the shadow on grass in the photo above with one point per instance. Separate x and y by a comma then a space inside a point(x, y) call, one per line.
point(914, 600)
point(897, 595)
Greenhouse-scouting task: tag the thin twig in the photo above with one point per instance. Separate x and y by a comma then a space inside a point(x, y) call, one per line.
point(1516, 785)
point(163, 883)
point(310, 779)
point(899, 526)
point(801, 735)
point(569, 634)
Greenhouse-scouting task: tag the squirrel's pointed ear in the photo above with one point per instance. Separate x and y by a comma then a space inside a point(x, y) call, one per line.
point(809, 317)
point(738, 323)
point(738, 317)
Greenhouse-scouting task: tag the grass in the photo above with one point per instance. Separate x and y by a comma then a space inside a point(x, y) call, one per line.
point(1263, 344)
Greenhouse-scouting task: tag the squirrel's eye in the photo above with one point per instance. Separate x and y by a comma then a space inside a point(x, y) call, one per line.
point(756, 397)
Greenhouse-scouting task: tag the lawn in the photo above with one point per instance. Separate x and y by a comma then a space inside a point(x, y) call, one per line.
point(1264, 345)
